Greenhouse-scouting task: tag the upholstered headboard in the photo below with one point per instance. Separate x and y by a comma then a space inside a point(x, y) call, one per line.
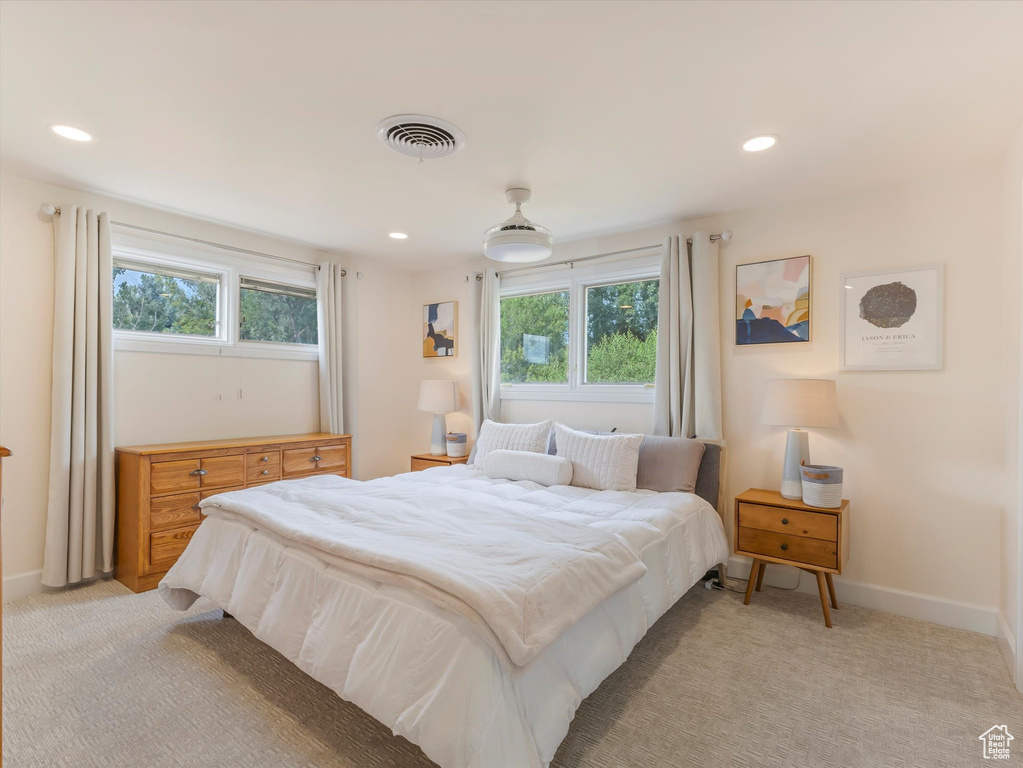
point(710, 480)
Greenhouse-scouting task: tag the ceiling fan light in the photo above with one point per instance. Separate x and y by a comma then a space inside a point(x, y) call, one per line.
point(518, 240)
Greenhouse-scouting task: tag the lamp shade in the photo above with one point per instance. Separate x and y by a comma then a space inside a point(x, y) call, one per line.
point(438, 396)
point(800, 403)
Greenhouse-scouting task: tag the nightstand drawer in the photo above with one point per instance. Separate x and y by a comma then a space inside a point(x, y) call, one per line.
point(800, 549)
point(815, 525)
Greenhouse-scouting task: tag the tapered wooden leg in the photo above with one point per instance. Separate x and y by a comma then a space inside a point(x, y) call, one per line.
point(822, 588)
point(754, 574)
point(760, 576)
point(831, 591)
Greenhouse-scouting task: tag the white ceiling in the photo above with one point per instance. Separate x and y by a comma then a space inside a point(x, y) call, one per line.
point(262, 115)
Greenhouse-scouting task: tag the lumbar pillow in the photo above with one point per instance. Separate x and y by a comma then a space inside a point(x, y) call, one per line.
point(603, 462)
point(668, 464)
point(510, 437)
point(527, 465)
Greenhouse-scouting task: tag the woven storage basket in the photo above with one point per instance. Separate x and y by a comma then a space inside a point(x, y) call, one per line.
point(822, 485)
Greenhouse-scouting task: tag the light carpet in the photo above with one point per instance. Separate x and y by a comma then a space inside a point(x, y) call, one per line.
point(98, 676)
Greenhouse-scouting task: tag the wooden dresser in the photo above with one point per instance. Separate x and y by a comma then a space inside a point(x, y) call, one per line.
point(159, 488)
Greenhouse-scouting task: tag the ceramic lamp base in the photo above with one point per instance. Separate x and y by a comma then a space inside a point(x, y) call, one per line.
point(438, 444)
point(797, 452)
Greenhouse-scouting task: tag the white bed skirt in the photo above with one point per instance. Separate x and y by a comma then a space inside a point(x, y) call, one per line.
point(424, 671)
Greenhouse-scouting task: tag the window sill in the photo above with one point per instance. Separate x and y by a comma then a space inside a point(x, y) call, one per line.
point(591, 393)
point(202, 347)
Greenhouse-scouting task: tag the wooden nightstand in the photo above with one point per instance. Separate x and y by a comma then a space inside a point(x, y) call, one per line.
point(772, 529)
point(428, 460)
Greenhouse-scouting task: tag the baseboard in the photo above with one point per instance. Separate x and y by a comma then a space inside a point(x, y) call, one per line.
point(23, 584)
point(914, 605)
point(1006, 644)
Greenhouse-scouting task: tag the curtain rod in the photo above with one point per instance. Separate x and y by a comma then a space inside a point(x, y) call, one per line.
point(49, 210)
point(726, 235)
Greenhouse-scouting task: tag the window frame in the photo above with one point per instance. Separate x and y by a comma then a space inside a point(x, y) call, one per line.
point(230, 268)
point(633, 268)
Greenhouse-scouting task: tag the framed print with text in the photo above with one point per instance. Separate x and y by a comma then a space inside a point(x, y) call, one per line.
point(893, 320)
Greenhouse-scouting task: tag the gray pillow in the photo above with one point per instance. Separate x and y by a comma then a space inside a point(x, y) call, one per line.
point(669, 464)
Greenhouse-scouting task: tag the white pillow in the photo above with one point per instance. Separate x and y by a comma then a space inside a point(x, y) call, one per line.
point(526, 465)
point(603, 462)
point(511, 437)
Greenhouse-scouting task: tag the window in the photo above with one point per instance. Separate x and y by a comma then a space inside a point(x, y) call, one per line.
point(150, 299)
point(588, 333)
point(621, 332)
point(169, 297)
point(284, 314)
point(534, 338)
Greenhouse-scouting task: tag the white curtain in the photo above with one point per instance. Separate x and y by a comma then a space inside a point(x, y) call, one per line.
point(486, 348)
point(329, 314)
point(687, 384)
point(80, 506)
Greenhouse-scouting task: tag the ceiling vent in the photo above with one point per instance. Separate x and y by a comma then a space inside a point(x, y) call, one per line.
point(419, 136)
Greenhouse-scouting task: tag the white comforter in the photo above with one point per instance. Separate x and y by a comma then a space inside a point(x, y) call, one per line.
point(521, 575)
point(424, 669)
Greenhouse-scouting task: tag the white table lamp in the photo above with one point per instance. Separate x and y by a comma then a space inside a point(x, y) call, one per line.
point(798, 403)
point(439, 397)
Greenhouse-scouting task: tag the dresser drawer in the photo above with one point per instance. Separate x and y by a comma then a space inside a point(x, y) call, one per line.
point(166, 546)
point(815, 525)
point(223, 471)
point(799, 549)
point(174, 476)
point(173, 511)
point(304, 461)
point(263, 467)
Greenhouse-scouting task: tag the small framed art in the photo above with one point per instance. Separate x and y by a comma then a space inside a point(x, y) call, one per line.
point(440, 329)
point(772, 301)
point(893, 320)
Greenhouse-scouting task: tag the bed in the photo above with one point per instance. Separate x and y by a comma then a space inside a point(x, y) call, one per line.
point(458, 673)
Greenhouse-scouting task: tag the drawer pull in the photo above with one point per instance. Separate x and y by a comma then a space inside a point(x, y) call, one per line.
point(195, 506)
point(784, 547)
point(265, 472)
point(265, 458)
point(316, 458)
point(784, 521)
point(199, 472)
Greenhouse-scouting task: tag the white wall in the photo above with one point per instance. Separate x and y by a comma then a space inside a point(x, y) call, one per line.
point(169, 397)
point(1010, 625)
point(924, 452)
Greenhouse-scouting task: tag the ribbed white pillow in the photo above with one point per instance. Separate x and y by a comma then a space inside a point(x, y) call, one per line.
point(603, 462)
point(526, 465)
point(511, 437)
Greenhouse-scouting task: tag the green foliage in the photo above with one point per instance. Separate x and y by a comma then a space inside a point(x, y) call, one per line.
point(163, 304)
point(277, 317)
point(541, 314)
point(621, 334)
point(622, 358)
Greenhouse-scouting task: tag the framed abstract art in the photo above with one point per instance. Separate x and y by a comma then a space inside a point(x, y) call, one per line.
point(772, 302)
point(892, 320)
point(440, 329)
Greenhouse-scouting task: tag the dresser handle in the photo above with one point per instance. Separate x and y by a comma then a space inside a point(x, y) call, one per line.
point(784, 521)
point(784, 547)
point(265, 472)
point(316, 458)
point(199, 472)
point(265, 458)
point(195, 506)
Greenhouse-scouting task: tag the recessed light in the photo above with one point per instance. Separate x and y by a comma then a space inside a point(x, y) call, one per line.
point(68, 132)
point(399, 236)
point(760, 143)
